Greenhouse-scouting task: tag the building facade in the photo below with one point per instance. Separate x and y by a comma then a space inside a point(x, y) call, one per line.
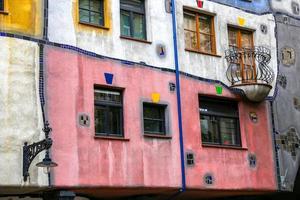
point(146, 99)
point(112, 100)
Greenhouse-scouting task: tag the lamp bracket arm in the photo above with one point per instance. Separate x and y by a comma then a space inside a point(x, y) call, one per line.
point(31, 151)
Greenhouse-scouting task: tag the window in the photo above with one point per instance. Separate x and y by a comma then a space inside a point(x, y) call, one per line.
point(219, 122)
point(133, 22)
point(108, 112)
point(199, 32)
point(91, 12)
point(243, 41)
point(154, 119)
point(1, 5)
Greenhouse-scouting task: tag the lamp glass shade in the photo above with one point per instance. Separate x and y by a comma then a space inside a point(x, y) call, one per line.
point(47, 162)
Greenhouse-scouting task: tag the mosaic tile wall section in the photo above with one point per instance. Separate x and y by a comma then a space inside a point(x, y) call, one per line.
point(287, 103)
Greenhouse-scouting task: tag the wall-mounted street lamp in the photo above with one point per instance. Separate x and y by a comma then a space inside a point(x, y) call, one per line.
point(32, 150)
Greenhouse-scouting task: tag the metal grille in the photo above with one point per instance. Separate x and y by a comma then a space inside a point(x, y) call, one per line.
point(258, 71)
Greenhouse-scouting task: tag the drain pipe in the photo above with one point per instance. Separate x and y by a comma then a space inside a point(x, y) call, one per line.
point(183, 187)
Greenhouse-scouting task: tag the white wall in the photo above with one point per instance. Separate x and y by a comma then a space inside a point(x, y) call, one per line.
point(20, 111)
point(159, 30)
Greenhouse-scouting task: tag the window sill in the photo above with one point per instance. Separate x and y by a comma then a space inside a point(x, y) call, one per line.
point(205, 53)
point(111, 138)
point(94, 25)
point(3, 12)
point(223, 146)
point(157, 136)
point(134, 39)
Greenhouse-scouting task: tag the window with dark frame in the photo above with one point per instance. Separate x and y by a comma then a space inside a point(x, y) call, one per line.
point(91, 12)
point(219, 121)
point(154, 118)
point(243, 41)
point(1, 5)
point(108, 112)
point(199, 32)
point(133, 21)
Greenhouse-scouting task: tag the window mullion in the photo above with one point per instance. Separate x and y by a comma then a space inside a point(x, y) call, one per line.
point(144, 27)
point(219, 130)
point(107, 132)
point(90, 19)
point(131, 24)
point(197, 32)
point(239, 43)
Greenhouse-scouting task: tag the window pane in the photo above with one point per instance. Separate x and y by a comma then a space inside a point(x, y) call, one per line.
point(125, 23)
point(100, 119)
point(139, 26)
point(228, 131)
point(96, 5)
point(113, 121)
point(108, 112)
point(153, 112)
point(133, 2)
point(218, 107)
point(96, 18)
point(190, 40)
point(84, 4)
point(152, 126)
point(232, 37)
point(189, 22)
point(205, 43)
point(133, 5)
point(205, 24)
point(84, 16)
point(1, 4)
point(216, 127)
point(246, 40)
point(209, 129)
point(108, 96)
point(154, 118)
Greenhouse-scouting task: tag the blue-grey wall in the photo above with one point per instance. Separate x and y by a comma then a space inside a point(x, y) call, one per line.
point(255, 6)
point(287, 102)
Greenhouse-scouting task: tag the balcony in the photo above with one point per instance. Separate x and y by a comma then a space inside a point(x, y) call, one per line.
point(248, 71)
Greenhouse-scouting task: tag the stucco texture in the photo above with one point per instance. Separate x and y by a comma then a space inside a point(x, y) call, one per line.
point(88, 161)
point(286, 113)
point(146, 162)
point(20, 113)
point(24, 18)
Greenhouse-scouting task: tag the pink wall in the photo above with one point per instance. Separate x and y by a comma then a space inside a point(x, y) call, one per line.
point(148, 162)
point(228, 166)
point(85, 160)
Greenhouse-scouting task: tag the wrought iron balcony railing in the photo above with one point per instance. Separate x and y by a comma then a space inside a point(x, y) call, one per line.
point(249, 66)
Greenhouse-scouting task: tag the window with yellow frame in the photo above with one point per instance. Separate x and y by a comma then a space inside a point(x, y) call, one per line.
point(91, 12)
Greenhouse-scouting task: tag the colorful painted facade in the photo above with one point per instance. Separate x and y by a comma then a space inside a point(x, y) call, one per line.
point(145, 100)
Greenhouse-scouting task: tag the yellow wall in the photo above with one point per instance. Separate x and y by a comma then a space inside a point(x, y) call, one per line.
point(106, 30)
point(22, 17)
